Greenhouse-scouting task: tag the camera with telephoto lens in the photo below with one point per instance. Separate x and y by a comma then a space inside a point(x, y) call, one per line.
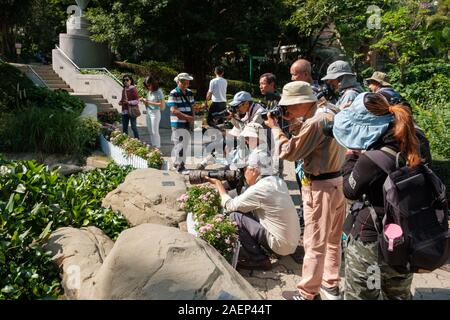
point(224, 114)
point(235, 178)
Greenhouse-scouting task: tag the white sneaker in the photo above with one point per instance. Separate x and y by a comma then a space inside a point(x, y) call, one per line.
point(331, 293)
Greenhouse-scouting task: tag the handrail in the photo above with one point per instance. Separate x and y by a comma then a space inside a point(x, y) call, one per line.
point(81, 69)
point(39, 77)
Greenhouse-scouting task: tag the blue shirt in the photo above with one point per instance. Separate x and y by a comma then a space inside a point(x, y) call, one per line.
point(154, 96)
point(177, 100)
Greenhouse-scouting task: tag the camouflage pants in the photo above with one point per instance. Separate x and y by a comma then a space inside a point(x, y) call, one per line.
point(366, 279)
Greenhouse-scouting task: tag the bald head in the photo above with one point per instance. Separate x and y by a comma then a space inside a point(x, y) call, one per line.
point(301, 71)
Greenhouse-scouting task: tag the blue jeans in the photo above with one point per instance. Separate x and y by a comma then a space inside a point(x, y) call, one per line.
point(125, 119)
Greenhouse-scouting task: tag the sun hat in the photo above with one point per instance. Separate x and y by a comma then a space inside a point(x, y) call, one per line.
point(235, 132)
point(259, 159)
point(297, 92)
point(357, 128)
point(337, 69)
point(241, 97)
point(183, 76)
point(251, 130)
point(380, 77)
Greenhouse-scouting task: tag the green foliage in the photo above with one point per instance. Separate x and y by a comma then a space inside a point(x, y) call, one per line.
point(235, 86)
point(48, 131)
point(35, 201)
point(203, 201)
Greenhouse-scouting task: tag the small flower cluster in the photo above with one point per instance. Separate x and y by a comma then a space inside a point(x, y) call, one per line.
point(133, 146)
point(212, 226)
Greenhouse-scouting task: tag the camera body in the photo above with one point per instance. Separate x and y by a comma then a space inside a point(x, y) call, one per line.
point(276, 111)
point(328, 93)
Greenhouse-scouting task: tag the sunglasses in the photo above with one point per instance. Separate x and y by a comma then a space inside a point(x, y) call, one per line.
point(124, 80)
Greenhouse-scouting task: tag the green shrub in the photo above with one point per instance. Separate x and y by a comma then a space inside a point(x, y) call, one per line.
point(235, 86)
point(48, 131)
point(35, 201)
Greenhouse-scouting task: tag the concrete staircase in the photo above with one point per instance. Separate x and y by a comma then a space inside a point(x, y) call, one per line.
point(53, 81)
point(102, 104)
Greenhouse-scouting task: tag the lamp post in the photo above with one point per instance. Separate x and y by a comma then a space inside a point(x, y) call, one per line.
point(18, 47)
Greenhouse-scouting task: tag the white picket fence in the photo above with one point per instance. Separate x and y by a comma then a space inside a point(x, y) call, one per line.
point(120, 156)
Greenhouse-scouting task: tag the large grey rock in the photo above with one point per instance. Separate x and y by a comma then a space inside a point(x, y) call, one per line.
point(79, 253)
point(157, 262)
point(149, 196)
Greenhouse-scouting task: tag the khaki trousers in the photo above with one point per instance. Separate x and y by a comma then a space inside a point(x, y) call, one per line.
point(324, 212)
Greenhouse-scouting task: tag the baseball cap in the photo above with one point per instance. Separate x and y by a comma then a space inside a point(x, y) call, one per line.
point(240, 97)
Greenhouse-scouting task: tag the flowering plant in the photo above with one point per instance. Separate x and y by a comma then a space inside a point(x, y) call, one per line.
point(221, 233)
point(211, 225)
point(203, 201)
point(109, 116)
point(133, 146)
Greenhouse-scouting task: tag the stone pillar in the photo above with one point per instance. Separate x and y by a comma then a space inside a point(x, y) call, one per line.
point(78, 46)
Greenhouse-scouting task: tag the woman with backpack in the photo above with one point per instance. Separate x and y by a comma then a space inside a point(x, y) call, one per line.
point(155, 104)
point(371, 123)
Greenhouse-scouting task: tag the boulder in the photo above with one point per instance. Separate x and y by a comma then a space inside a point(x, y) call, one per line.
point(158, 262)
point(149, 196)
point(79, 253)
point(66, 169)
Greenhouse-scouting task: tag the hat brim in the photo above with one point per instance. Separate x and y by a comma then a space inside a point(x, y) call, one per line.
point(356, 134)
point(291, 100)
point(383, 83)
point(333, 76)
point(184, 78)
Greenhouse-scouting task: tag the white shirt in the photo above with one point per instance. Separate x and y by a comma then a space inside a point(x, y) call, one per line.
point(270, 201)
point(218, 88)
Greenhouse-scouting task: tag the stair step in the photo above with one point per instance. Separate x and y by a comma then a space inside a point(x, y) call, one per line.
point(95, 101)
point(105, 108)
point(88, 96)
point(54, 81)
point(54, 87)
point(65, 89)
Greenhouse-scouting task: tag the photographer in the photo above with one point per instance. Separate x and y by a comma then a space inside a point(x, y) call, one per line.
point(341, 78)
point(245, 110)
point(265, 223)
point(323, 199)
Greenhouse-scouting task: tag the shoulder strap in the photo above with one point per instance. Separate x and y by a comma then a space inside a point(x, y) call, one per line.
point(382, 160)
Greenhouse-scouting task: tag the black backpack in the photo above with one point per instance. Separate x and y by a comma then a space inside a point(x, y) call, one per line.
point(415, 200)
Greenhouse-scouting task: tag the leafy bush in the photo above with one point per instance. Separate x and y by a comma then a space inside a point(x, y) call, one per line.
point(34, 201)
point(48, 131)
point(203, 201)
point(110, 117)
point(133, 146)
point(235, 86)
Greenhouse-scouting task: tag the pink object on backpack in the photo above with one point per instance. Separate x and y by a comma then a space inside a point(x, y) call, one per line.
point(392, 231)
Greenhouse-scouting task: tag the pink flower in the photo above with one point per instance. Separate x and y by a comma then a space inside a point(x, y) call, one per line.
point(209, 227)
point(202, 229)
point(227, 241)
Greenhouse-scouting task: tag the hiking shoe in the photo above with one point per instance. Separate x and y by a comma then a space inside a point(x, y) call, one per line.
point(295, 295)
point(249, 264)
point(331, 293)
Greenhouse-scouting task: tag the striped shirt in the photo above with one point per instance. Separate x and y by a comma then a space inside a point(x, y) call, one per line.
point(320, 154)
point(177, 100)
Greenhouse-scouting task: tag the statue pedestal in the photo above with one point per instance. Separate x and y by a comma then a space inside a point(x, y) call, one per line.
point(77, 45)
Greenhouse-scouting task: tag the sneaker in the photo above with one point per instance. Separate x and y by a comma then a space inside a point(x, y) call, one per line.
point(295, 295)
point(249, 264)
point(331, 293)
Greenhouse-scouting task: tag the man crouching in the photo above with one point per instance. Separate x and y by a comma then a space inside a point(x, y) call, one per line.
point(265, 214)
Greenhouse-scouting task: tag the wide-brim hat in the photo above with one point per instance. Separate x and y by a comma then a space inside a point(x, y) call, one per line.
point(183, 76)
point(235, 132)
point(337, 69)
point(296, 92)
point(240, 97)
point(380, 77)
point(251, 130)
point(357, 128)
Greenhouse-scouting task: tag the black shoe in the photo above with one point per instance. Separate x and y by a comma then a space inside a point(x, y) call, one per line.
point(181, 168)
point(249, 264)
point(295, 295)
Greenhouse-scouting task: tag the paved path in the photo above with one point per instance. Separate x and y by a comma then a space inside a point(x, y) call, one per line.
point(286, 273)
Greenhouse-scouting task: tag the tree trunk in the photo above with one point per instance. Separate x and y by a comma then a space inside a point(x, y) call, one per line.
point(196, 63)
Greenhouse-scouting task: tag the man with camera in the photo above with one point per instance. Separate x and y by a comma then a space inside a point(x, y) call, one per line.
point(322, 194)
point(244, 110)
point(342, 80)
point(264, 213)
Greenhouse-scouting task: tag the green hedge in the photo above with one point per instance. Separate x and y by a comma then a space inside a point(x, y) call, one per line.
point(35, 201)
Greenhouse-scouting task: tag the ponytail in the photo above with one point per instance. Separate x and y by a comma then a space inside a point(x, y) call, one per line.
point(404, 131)
point(405, 134)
